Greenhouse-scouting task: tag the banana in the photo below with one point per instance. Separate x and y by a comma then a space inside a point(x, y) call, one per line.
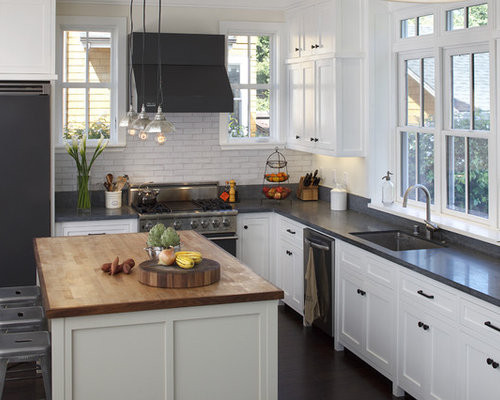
point(184, 262)
point(194, 255)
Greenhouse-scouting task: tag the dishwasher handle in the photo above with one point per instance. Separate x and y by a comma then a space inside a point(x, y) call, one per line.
point(317, 245)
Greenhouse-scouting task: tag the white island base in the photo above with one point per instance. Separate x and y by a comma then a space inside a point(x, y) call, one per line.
point(212, 352)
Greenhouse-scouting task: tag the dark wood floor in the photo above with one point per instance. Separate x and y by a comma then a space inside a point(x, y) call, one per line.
point(309, 368)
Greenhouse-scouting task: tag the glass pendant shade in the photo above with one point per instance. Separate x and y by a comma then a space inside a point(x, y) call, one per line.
point(140, 124)
point(129, 118)
point(160, 124)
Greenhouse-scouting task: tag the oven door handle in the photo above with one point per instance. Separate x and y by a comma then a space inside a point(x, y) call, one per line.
point(214, 239)
point(317, 245)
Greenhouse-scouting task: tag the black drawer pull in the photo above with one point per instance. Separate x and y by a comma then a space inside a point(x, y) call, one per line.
point(361, 292)
point(429, 296)
point(291, 232)
point(490, 325)
point(96, 234)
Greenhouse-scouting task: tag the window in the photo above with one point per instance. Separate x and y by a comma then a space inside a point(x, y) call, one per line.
point(417, 26)
point(467, 17)
point(251, 59)
point(89, 70)
point(416, 130)
point(467, 175)
point(445, 133)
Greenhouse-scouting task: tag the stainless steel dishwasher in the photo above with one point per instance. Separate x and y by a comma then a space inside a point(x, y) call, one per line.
point(322, 250)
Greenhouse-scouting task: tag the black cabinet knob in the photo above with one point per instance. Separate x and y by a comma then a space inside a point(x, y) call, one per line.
point(311, 139)
point(489, 361)
point(245, 227)
point(316, 46)
point(316, 140)
point(426, 327)
point(312, 46)
point(297, 137)
point(297, 49)
point(494, 364)
point(420, 324)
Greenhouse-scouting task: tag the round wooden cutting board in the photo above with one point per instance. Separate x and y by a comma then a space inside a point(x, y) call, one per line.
point(203, 274)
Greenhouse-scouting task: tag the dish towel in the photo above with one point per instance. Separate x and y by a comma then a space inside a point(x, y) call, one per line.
point(323, 288)
point(311, 304)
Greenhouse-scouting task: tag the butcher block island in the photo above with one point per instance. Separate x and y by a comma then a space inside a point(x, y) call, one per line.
point(116, 338)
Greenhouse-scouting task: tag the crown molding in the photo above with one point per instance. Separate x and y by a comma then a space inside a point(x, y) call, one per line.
point(280, 5)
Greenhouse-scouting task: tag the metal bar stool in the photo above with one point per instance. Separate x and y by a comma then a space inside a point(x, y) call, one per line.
point(19, 296)
point(23, 319)
point(25, 347)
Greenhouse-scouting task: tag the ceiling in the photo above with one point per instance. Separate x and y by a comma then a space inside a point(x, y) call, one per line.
point(250, 4)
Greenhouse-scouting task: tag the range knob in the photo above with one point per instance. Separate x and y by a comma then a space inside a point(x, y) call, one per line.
point(194, 224)
point(215, 223)
point(177, 225)
point(204, 223)
point(226, 221)
point(148, 225)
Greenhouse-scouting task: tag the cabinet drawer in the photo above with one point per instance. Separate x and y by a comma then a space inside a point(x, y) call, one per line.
point(482, 320)
point(96, 227)
point(291, 231)
point(431, 296)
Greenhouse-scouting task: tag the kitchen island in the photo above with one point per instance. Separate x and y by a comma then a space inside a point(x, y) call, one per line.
point(115, 338)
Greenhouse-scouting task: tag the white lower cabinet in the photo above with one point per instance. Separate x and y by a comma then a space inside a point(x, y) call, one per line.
point(480, 369)
point(291, 273)
point(253, 247)
point(427, 354)
point(367, 323)
point(101, 227)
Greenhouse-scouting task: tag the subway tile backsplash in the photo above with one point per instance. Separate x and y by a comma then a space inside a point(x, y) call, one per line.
point(191, 154)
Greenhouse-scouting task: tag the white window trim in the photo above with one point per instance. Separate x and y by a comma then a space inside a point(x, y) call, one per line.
point(488, 231)
point(258, 28)
point(118, 25)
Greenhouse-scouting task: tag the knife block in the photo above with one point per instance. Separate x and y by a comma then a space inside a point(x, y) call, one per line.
point(307, 193)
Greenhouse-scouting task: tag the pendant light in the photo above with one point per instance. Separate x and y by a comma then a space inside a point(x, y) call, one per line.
point(160, 126)
point(140, 124)
point(131, 116)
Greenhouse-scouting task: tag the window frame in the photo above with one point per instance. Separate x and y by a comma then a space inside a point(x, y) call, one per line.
point(479, 39)
point(274, 30)
point(118, 28)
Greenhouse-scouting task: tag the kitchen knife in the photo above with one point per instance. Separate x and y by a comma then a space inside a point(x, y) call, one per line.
point(307, 179)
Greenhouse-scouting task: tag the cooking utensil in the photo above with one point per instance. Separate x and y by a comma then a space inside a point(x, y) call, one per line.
point(109, 180)
point(307, 179)
point(316, 181)
point(120, 183)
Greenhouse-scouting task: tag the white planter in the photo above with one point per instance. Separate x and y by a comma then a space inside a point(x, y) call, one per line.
point(113, 199)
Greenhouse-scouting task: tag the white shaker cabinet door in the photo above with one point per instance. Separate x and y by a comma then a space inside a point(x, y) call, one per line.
point(480, 369)
point(412, 351)
point(352, 302)
point(27, 29)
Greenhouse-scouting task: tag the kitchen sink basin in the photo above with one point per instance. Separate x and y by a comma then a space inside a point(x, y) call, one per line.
point(397, 240)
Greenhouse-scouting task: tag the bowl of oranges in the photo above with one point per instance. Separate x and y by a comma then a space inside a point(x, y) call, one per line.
point(279, 177)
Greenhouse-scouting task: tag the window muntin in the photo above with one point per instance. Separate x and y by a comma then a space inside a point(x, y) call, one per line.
point(467, 17)
point(417, 26)
point(87, 77)
point(250, 73)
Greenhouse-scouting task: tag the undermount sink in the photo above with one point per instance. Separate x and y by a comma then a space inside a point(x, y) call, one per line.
point(397, 240)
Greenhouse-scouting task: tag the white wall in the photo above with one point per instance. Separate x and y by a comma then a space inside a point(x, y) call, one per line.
point(192, 153)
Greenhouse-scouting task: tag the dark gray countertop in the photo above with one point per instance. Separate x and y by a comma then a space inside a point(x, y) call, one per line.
point(471, 272)
point(95, 214)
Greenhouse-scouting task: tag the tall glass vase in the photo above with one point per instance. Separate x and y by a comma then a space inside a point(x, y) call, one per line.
point(83, 202)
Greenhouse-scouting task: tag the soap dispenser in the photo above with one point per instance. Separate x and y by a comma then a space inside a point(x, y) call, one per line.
point(387, 190)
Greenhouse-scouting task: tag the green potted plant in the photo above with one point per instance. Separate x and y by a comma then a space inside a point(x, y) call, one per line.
point(77, 149)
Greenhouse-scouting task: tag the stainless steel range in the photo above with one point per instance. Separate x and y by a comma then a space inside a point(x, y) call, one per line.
point(190, 206)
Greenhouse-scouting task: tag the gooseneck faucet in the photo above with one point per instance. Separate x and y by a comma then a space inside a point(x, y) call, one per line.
point(429, 225)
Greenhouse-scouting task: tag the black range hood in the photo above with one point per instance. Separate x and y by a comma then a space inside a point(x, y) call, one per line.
point(193, 71)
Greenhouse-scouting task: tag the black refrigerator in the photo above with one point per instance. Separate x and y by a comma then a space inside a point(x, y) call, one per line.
point(25, 177)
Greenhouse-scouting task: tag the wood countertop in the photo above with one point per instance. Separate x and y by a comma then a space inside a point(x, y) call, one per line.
point(73, 284)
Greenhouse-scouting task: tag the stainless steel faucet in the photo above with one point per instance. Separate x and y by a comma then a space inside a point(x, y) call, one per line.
point(429, 225)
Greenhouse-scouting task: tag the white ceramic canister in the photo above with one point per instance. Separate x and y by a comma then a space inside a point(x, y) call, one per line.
point(113, 199)
point(338, 198)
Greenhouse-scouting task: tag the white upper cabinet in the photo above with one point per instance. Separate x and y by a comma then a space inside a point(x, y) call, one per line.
point(27, 29)
point(326, 74)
